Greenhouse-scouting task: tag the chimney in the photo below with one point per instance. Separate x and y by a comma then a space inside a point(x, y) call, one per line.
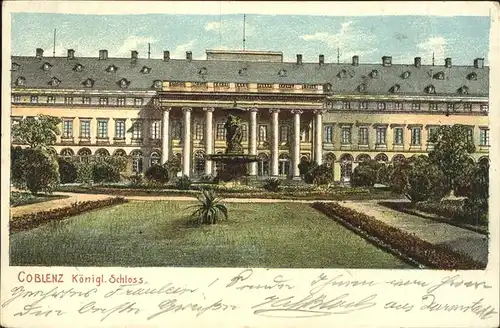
point(103, 54)
point(387, 61)
point(189, 55)
point(479, 63)
point(418, 61)
point(355, 60)
point(447, 62)
point(133, 55)
point(166, 55)
point(321, 59)
point(39, 53)
point(299, 59)
point(71, 54)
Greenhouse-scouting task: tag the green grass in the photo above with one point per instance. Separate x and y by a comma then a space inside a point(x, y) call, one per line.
point(19, 198)
point(159, 233)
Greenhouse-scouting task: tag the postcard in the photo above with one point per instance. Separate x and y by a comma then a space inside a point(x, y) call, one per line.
point(250, 164)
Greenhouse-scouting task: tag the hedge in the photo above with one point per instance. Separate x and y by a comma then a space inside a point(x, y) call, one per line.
point(396, 241)
point(33, 220)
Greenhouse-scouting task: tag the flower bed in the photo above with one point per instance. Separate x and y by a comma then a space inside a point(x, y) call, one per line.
point(33, 220)
point(396, 241)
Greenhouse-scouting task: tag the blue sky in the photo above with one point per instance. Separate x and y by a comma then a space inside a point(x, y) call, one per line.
point(462, 38)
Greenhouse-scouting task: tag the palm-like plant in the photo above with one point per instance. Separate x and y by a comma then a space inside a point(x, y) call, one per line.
point(209, 208)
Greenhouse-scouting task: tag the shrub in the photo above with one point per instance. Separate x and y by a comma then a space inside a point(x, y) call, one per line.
point(209, 208)
point(272, 184)
point(173, 166)
point(17, 167)
point(183, 183)
point(104, 172)
point(38, 171)
point(323, 174)
point(310, 171)
point(118, 162)
point(136, 179)
point(157, 173)
point(67, 170)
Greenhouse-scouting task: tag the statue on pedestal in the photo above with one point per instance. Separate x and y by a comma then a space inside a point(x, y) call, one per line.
point(234, 135)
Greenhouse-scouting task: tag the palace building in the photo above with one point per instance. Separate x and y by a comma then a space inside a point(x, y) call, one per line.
point(151, 110)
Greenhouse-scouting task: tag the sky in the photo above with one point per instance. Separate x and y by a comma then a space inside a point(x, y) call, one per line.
point(462, 38)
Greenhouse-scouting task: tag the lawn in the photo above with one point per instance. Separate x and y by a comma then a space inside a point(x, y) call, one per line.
point(158, 233)
point(19, 198)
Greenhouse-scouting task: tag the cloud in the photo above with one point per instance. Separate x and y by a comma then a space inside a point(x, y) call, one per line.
point(210, 26)
point(436, 45)
point(180, 51)
point(133, 43)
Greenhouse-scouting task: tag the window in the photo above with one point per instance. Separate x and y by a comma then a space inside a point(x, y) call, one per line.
point(51, 100)
point(470, 135)
point(220, 133)
point(86, 100)
point(138, 101)
point(363, 105)
point(415, 106)
point(198, 131)
point(398, 106)
point(16, 98)
point(431, 131)
point(34, 99)
point(155, 158)
point(102, 129)
point(484, 107)
point(120, 129)
point(484, 137)
point(283, 133)
point(103, 101)
point(244, 132)
point(137, 130)
point(283, 165)
point(68, 100)
point(136, 161)
point(380, 106)
point(262, 132)
point(67, 129)
point(263, 165)
point(120, 101)
point(398, 136)
point(415, 136)
point(363, 136)
point(346, 105)
point(433, 106)
point(450, 106)
point(381, 134)
point(155, 130)
point(304, 136)
point(176, 130)
point(346, 135)
point(85, 129)
point(328, 136)
point(468, 107)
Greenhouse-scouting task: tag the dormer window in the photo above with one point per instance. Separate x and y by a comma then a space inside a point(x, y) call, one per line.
point(327, 87)
point(282, 73)
point(395, 88)
point(21, 81)
point(112, 69)
point(472, 76)
point(78, 68)
point(430, 89)
point(124, 83)
point(406, 75)
point(374, 74)
point(342, 74)
point(46, 66)
point(88, 83)
point(464, 90)
point(362, 87)
point(202, 71)
point(55, 82)
point(146, 70)
point(439, 76)
point(242, 72)
point(15, 66)
point(157, 84)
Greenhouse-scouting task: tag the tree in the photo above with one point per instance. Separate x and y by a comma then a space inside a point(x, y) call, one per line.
point(157, 173)
point(67, 170)
point(451, 153)
point(365, 175)
point(209, 208)
point(37, 132)
point(40, 171)
point(105, 172)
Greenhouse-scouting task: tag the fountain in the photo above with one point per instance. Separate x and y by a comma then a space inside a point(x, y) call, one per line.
point(234, 160)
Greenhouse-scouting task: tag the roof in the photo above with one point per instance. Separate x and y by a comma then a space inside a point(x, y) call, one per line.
point(356, 79)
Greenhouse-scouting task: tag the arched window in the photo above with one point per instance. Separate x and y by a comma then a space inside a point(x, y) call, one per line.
point(381, 158)
point(484, 161)
point(330, 159)
point(137, 161)
point(363, 158)
point(155, 158)
point(67, 152)
point(346, 167)
point(84, 155)
point(284, 165)
point(398, 158)
point(219, 166)
point(263, 165)
point(101, 153)
point(199, 163)
point(119, 152)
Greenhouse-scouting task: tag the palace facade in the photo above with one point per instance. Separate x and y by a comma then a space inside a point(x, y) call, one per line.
point(150, 110)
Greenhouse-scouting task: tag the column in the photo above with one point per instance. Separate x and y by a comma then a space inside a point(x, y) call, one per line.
point(209, 144)
point(186, 141)
point(274, 142)
point(252, 141)
point(296, 144)
point(146, 159)
point(165, 135)
point(318, 137)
